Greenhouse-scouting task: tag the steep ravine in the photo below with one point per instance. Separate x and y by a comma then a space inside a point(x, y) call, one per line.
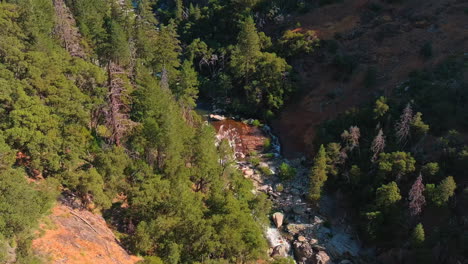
point(309, 234)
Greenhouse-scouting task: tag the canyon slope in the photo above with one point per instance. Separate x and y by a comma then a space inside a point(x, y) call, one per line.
point(376, 36)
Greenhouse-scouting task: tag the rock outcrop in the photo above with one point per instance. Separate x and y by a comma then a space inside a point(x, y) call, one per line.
point(278, 219)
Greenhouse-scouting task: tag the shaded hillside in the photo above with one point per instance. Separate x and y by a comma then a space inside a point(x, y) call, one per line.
point(368, 49)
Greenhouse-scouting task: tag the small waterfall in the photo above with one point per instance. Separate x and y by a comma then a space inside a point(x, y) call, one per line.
point(275, 144)
point(275, 239)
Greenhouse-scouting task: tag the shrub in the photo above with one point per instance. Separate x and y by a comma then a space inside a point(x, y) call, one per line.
point(296, 43)
point(254, 160)
point(267, 143)
point(265, 170)
point(256, 123)
point(279, 187)
point(286, 172)
point(282, 260)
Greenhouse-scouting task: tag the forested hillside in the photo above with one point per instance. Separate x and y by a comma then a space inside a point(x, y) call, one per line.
point(98, 102)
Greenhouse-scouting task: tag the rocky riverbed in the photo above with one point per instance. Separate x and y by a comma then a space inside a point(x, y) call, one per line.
point(317, 235)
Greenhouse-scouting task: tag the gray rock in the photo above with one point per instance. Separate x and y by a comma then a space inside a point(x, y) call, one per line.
point(278, 219)
point(265, 188)
point(322, 258)
point(300, 210)
point(318, 247)
point(303, 252)
point(280, 250)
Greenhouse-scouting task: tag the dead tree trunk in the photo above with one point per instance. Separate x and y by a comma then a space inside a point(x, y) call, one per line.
point(66, 29)
point(117, 111)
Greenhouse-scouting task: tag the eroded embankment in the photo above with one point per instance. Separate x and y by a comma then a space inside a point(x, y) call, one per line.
point(74, 236)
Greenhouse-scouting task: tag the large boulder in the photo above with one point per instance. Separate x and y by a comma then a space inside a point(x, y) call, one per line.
point(217, 117)
point(321, 257)
point(303, 252)
point(280, 250)
point(278, 219)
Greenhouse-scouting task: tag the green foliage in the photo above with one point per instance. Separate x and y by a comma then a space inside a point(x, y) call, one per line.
point(441, 193)
point(267, 144)
point(256, 123)
point(334, 158)
point(261, 74)
point(187, 88)
point(265, 170)
point(294, 43)
point(418, 127)
point(281, 260)
point(53, 111)
point(255, 160)
point(286, 171)
point(396, 164)
point(247, 50)
point(387, 195)
point(381, 107)
point(318, 175)
point(153, 260)
point(373, 222)
point(279, 187)
point(430, 170)
point(417, 236)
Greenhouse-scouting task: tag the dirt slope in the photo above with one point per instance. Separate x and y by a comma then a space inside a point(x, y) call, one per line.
point(386, 36)
point(79, 237)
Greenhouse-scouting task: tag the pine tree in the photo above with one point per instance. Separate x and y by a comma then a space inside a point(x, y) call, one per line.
point(418, 127)
point(247, 50)
point(418, 237)
point(179, 9)
point(387, 195)
point(318, 175)
point(381, 107)
point(416, 197)
point(441, 193)
point(396, 164)
point(187, 89)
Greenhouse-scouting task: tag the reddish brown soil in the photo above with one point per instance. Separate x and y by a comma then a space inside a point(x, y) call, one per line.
point(79, 237)
point(248, 138)
point(404, 27)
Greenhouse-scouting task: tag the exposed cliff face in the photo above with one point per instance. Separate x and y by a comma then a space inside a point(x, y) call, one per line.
point(79, 237)
point(386, 37)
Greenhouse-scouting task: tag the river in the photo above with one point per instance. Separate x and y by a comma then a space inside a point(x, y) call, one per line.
point(309, 234)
